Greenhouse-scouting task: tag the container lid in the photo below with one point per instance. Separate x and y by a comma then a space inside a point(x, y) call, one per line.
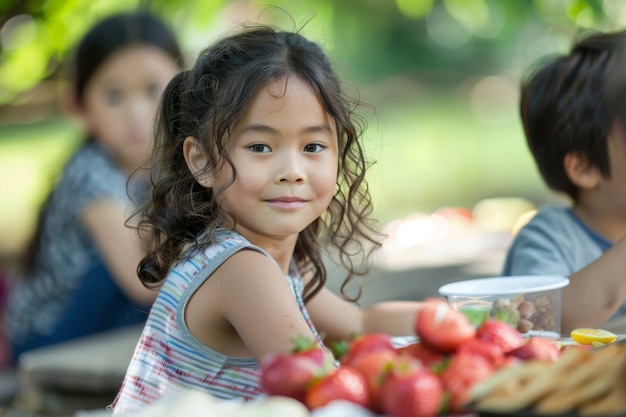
point(504, 285)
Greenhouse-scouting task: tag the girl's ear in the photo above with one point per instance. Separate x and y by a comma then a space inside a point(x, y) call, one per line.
point(71, 107)
point(582, 173)
point(196, 161)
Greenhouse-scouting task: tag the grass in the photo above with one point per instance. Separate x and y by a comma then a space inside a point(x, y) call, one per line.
point(30, 158)
point(429, 154)
point(438, 154)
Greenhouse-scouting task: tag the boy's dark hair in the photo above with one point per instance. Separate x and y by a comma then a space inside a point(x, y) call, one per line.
point(206, 102)
point(568, 105)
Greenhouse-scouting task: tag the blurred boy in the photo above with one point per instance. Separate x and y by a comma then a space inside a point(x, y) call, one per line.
point(571, 111)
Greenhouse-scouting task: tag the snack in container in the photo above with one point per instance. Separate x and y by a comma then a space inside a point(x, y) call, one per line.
point(532, 304)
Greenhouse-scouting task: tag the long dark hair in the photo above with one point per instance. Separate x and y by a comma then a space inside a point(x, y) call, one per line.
point(108, 36)
point(207, 102)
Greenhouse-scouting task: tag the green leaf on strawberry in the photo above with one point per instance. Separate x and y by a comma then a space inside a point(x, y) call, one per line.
point(476, 317)
point(507, 316)
point(339, 349)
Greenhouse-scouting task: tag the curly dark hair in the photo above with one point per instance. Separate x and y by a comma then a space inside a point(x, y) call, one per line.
point(206, 102)
point(568, 104)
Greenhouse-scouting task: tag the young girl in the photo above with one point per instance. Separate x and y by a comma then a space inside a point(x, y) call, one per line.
point(259, 165)
point(79, 275)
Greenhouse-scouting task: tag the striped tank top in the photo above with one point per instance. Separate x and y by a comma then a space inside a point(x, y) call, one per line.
point(168, 358)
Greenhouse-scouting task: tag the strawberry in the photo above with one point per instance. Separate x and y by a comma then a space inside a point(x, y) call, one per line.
point(490, 351)
point(344, 383)
point(462, 373)
point(411, 390)
point(290, 374)
point(536, 348)
point(426, 355)
point(500, 333)
point(310, 349)
point(375, 367)
point(441, 327)
point(365, 343)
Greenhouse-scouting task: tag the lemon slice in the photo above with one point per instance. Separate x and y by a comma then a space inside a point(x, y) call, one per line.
point(586, 336)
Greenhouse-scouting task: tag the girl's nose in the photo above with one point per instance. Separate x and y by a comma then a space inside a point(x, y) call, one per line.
point(291, 168)
point(140, 108)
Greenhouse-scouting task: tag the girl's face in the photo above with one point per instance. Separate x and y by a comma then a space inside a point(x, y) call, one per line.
point(120, 101)
point(285, 154)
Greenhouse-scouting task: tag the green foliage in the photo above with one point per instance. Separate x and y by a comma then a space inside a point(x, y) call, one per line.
point(379, 38)
point(417, 61)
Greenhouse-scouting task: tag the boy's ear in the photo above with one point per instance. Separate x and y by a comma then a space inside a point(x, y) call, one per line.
point(582, 173)
point(196, 161)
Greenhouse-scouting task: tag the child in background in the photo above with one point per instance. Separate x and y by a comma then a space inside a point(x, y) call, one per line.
point(79, 274)
point(259, 165)
point(570, 115)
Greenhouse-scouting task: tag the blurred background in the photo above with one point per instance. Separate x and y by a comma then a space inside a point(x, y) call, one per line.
point(442, 77)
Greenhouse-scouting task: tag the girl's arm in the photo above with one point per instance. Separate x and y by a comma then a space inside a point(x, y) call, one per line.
point(595, 292)
point(246, 308)
point(120, 247)
point(339, 319)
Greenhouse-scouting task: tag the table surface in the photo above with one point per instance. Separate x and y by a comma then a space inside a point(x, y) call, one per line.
point(98, 363)
point(95, 363)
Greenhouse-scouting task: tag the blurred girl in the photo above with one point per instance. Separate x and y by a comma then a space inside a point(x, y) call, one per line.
point(259, 165)
point(79, 273)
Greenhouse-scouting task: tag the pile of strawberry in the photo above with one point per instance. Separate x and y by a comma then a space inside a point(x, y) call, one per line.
point(426, 378)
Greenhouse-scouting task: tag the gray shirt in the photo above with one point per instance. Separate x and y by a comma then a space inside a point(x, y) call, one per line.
point(555, 242)
point(67, 250)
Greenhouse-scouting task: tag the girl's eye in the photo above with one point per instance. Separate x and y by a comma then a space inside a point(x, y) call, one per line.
point(113, 97)
point(313, 148)
point(259, 148)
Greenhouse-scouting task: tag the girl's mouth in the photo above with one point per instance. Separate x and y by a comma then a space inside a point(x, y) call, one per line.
point(286, 203)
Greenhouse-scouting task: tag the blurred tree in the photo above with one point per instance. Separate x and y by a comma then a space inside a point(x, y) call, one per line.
point(449, 38)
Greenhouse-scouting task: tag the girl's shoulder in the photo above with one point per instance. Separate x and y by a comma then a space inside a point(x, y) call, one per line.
point(88, 177)
point(91, 166)
point(226, 235)
point(202, 261)
point(222, 242)
point(224, 239)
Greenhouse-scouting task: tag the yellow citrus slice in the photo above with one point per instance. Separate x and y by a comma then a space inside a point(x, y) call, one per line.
point(586, 336)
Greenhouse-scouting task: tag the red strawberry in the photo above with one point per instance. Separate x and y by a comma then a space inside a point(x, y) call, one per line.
point(366, 343)
point(375, 367)
point(310, 349)
point(411, 390)
point(441, 327)
point(290, 374)
point(462, 373)
point(344, 383)
point(536, 348)
point(500, 333)
point(490, 351)
point(426, 355)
